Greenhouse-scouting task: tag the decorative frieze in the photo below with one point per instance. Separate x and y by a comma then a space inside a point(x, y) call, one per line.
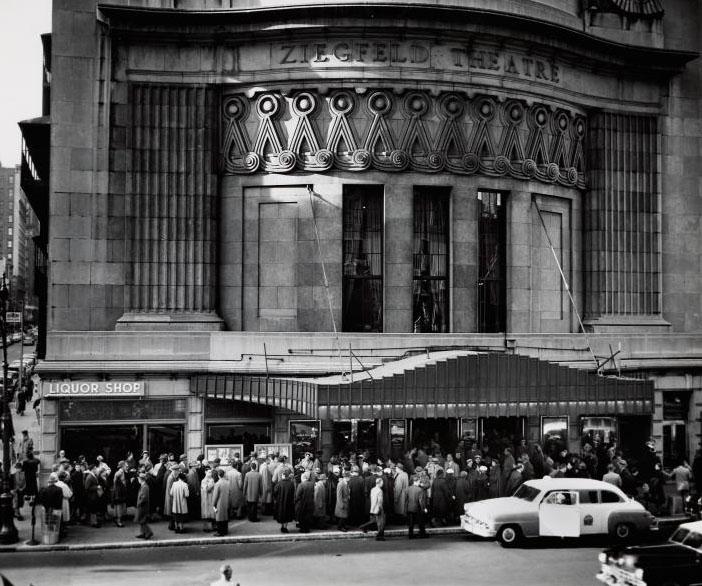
point(308, 131)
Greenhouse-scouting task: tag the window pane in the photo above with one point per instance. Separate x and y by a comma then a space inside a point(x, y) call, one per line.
point(491, 262)
point(431, 245)
point(117, 410)
point(610, 497)
point(363, 258)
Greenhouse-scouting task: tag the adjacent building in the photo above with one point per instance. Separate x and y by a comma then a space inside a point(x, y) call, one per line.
point(368, 226)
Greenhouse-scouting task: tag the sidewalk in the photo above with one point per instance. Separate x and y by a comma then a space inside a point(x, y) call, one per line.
point(109, 536)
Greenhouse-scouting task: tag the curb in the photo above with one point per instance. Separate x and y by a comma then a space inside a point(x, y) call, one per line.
point(234, 539)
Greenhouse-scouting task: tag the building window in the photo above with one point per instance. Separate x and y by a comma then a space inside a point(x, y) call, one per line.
point(9, 231)
point(10, 219)
point(363, 258)
point(491, 262)
point(431, 260)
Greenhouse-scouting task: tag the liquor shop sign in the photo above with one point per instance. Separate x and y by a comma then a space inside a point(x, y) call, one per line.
point(95, 389)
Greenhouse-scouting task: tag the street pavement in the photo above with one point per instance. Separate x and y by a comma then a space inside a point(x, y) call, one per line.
point(444, 560)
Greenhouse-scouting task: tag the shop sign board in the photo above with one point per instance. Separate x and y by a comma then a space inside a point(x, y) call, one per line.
point(226, 453)
point(263, 450)
point(13, 317)
point(110, 388)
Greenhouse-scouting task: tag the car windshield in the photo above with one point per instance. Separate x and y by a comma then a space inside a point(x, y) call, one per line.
point(680, 535)
point(526, 493)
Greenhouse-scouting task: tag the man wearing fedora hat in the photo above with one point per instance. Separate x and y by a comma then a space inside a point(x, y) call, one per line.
point(141, 514)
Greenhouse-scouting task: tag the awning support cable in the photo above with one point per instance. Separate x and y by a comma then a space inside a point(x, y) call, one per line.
point(311, 192)
point(565, 283)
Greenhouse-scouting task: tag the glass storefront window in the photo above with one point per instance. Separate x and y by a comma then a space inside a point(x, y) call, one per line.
point(121, 410)
point(112, 442)
point(554, 434)
point(245, 433)
point(599, 430)
point(304, 437)
point(355, 436)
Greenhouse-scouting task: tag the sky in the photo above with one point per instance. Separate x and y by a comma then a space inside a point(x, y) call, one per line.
point(21, 23)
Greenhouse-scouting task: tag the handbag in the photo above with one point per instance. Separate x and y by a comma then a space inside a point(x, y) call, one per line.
point(100, 491)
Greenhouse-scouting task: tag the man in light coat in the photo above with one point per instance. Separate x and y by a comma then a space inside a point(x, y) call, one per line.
point(253, 490)
point(168, 498)
point(341, 510)
point(220, 504)
point(266, 472)
point(236, 495)
point(400, 492)
point(377, 510)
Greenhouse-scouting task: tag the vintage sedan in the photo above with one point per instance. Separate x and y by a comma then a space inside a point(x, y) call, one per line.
point(558, 507)
point(675, 563)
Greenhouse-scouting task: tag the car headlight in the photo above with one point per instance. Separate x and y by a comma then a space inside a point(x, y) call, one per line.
point(602, 557)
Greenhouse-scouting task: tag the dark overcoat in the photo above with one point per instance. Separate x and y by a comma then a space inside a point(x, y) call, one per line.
point(304, 502)
point(143, 504)
point(284, 492)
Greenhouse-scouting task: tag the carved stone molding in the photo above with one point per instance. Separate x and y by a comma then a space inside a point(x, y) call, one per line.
point(651, 9)
point(308, 131)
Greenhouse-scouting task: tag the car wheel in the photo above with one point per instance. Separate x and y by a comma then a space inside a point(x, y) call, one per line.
point(509, 535)
point(623, 531)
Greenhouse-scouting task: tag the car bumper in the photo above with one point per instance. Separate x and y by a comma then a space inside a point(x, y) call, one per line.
point(475, 527)
point(614, 576)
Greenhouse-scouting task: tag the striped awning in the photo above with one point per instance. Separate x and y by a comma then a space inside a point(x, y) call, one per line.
point(294, 395)
point(486, 385)
point(452, 385)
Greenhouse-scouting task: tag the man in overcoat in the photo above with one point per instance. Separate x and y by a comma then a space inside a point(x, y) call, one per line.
point(284, 493)
point(220, 504)
point(304, 503)
point(416, 506)
point(357, 498)
point(400, 491)
point(253, 490)
point(143, 508)
point(341, 509)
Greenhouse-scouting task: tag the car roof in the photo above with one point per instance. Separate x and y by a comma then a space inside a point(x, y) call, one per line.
point(548, 483)
point(695, 526)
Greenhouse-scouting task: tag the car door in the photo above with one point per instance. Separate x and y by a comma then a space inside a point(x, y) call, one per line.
point(559, 514)
point(593, 514)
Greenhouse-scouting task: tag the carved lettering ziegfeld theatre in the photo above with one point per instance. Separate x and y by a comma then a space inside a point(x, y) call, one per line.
point(348, 53)
point(379, 129)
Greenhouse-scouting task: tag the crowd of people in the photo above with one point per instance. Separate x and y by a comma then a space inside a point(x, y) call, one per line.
point(424, 487)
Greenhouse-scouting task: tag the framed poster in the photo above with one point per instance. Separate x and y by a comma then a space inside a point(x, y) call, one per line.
point(304, 436)
point(398, 432)
point(263, 450)
point(469, 429)
point(554, 435)
point(225, 453)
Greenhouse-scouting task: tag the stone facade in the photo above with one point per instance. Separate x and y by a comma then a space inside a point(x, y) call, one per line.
point(200, 150)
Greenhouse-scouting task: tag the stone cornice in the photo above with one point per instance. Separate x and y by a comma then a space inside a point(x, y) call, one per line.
point(219, 25)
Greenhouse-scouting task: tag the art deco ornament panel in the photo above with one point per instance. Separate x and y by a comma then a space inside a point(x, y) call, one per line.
point(308, 131)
